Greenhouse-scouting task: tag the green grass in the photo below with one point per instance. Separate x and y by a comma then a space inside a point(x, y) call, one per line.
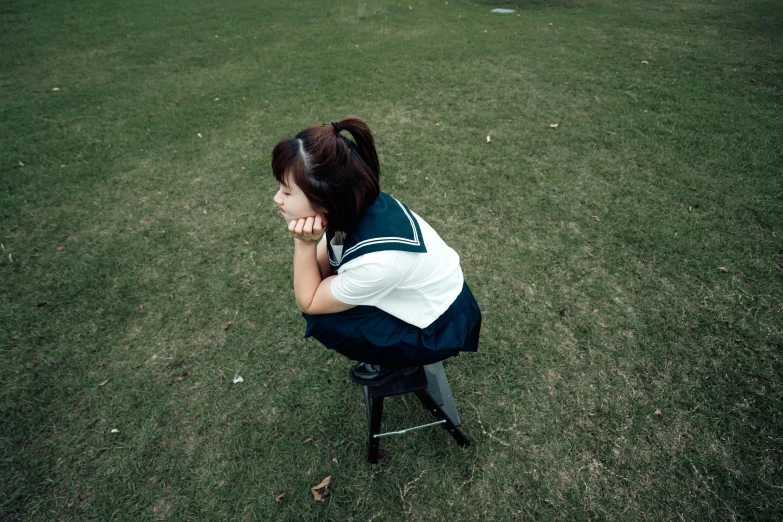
point(628, 263)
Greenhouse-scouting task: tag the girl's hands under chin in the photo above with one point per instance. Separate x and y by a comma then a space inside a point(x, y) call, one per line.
point(309, 229)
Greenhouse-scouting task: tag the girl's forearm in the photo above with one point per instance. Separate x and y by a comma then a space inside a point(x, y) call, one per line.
point(307, 274)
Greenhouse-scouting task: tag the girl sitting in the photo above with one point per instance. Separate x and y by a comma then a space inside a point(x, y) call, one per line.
point(373, 280)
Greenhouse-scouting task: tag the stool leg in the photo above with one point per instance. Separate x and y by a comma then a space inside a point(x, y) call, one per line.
point(439, 414)
point(375, 415)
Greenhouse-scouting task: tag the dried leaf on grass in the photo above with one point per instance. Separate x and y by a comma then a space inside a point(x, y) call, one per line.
point(279, 498)
point(183, 376)
point(308, 439)
point(320, 491)
point(723, 269)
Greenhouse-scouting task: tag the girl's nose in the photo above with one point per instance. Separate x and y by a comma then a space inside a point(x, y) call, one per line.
point(278, 198)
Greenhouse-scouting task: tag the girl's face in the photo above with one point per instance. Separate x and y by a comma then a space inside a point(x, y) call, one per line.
point(293, 203)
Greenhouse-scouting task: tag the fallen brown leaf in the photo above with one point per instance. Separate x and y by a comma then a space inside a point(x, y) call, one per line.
point(279, 498)
point(60, 248)
point(308, 439)
point(104, 383)
point(723, 269)
point(228, 325)
point(321, 490)
point(183, 376)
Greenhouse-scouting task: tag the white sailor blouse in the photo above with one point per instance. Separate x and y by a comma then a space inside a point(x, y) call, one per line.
point(396, 262)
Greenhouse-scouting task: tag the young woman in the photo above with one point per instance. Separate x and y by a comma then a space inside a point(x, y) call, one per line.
point(374, 281)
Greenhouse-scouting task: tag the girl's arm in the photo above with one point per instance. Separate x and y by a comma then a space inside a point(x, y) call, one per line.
point(323, 260)
point(313, 294)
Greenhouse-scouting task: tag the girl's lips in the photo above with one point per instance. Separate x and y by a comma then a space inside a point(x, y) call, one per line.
point(283, 211)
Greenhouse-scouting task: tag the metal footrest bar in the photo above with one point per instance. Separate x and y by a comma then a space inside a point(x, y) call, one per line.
point(403, 432)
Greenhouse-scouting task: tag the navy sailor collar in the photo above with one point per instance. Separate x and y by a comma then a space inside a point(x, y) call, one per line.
point(386, 225)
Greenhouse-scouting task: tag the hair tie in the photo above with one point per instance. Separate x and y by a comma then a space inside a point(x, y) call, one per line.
point(337, 127)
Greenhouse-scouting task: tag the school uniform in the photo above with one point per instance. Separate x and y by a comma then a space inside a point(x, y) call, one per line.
point(413, 306)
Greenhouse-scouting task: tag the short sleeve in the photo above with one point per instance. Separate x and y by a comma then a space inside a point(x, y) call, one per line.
point(366, 280)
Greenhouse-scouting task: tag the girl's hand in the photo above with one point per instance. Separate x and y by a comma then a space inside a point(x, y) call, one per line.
point(308, 230)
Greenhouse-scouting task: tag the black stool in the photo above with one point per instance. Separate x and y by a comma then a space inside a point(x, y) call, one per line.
point(430, 385)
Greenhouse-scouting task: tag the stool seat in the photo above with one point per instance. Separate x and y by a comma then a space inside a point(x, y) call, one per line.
point(430, 385)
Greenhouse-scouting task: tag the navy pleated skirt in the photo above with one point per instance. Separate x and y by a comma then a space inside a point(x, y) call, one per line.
point(368, 334)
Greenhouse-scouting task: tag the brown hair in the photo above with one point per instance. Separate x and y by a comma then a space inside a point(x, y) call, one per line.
point(339, 176)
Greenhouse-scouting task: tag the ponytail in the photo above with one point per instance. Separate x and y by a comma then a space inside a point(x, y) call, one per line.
point(365, 143)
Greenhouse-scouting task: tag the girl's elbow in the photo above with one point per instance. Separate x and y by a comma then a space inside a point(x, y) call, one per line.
point(304, 308)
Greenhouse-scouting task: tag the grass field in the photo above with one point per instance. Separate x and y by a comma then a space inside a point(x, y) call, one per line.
point(628, 261)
